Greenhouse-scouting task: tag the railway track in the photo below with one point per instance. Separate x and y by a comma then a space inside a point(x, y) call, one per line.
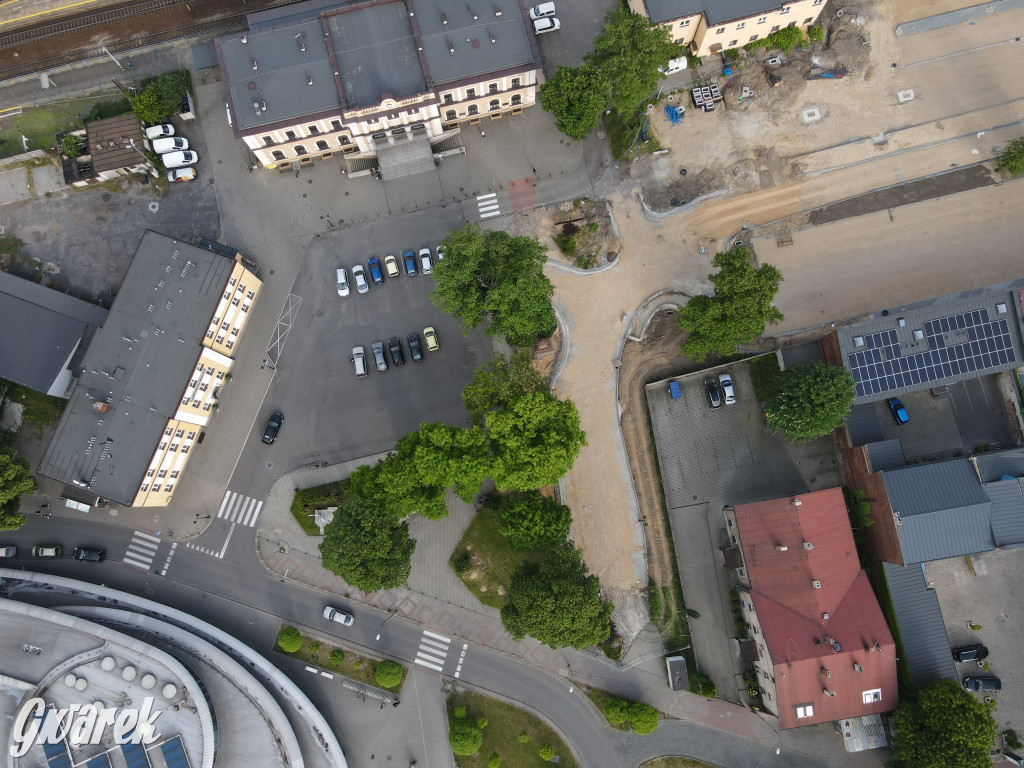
point(105, 16)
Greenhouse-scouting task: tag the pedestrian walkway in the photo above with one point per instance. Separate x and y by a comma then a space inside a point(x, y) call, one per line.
point(433, 650)
point(239, 509)
point(141, 551)
point(488, 205)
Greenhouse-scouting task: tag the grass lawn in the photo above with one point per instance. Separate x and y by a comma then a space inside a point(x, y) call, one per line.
point(763, 372)
point(42, 410)
point(501, 735)
point(675, 762)
point(493, 561)
point(600, 698)
point(322, 658)
point(40, 124)
point(622, 132)
point(317, 497)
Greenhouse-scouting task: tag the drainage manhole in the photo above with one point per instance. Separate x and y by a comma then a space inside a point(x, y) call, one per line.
point(154, 207)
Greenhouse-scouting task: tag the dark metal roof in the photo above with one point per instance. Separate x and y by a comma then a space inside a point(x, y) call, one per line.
point(42, 329)
point(921, 627)
point(995, 465)
point(1007, 511)
point(863, 424)
point(947, 533)
point(717, 11)
point(115, 143)
point(886, 454)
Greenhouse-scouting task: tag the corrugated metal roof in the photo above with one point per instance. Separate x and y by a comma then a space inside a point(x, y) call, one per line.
point(887, 454)
point(947, 533)
point(1007, 511)
point(717, 11)
point(861, 733)
point(925, 488)
point(922, 629)
point(863, 424)
point(997, 464)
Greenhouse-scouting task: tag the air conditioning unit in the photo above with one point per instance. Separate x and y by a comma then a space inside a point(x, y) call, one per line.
point(815, 583)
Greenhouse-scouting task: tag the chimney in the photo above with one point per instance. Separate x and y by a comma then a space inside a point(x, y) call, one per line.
point(254, 67)
point(309, 79)
point(493, 39)
point(858, 668)
point(497, 11)
point(815, 583)
point(245, 40)
point(797, 502)
point(302, 45)
point(808, 546)
point(830, 694)
point(825, 672)
point(451, 47)
point(780, 548)
point(444, 19)
point(824, 617)
point(263, 105)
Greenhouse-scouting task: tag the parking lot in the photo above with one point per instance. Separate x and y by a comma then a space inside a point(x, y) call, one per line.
point(330, 415)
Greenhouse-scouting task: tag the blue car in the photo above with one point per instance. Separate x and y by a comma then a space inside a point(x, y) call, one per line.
point(899, 413)
point(409, 258)
point(375, 274)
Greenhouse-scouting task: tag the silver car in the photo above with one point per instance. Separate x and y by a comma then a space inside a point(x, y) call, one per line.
point(547, 24)
point(342, 278)
point(425, 266)
point(728, 393)
point(359, 277)
point(333, 614)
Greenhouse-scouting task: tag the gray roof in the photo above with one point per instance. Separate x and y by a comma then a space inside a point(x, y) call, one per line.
point(933, 343)
point(139, 362)
point(921, 628)
point(717, 11)
point(281, 77)
point(377, 54)
point(995, 465)
point(886, 454)
point(863, 424)
point(1007, 511)
point(475, 54)
point(42, 329)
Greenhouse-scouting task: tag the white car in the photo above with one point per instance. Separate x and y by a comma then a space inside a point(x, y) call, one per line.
point(425, 266)
point(542, 11)
point(333, 614)
point(170, 144)
point(728, 393)
point(342, 277)
point(179, 159)
point(548, 24)
point(158, 131)
point(440, 254)
point(181, 174)
point(359, 277)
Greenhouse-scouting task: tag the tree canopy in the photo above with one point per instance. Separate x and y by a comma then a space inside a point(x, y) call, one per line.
point(810, 400)
point(532, 521)
point(367, 546)
point(15, 480)
point(942, 726)
point(388, 673)
point(643, 718)
point(628, 52)
point(465, 738)
point(557, 602)
point(289, 639)
point(499, 382)
point(1011, 159)
point(737, 312)
point(576, 96)
point(496, 277)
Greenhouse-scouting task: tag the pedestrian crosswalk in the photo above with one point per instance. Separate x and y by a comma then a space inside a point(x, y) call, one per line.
point(141, 551)
point(236, 508)
point(488, 205)
point(433, 650)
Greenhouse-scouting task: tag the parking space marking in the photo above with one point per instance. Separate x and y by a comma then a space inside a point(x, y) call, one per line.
point(488, 205)
point(141, 551)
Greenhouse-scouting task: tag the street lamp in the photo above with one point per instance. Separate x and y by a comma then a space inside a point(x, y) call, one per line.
point(112, 56)
point(381, 627)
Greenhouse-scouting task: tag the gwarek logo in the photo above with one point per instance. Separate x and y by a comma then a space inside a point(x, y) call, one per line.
point(82, 724)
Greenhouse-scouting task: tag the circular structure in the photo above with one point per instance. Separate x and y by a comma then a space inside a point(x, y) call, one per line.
point(70, 680)
point(108, 663)
point(170, 691)
point(81, 684)
point(128, 673)
point(99, 706)
point(154, 207)
point(148, 681)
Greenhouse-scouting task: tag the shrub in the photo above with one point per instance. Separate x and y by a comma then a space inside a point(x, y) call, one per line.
point(1011, 159)
point(569, 228)
point(816, 33)
point(524, 737)
point(785, 39)
point(337, 656)
point(461, 564)
point(693, 614)
point(693, 62)
point(465, 738)
point(731, 54)
point(1011, 739)
point(388, 674)
point(702, 685)
point(587, 261)
point(314, 647)
point(566, 244)
point(289, 639)
point(357, 665)
point(106, 109)
point(546, 751)
point(494, 760)
point(460, 712)
point(481, 723)
point(616, 711)
point(654, 597)
point(643, 718)
point(592, 226)
point(753, 687)
point(69, 146)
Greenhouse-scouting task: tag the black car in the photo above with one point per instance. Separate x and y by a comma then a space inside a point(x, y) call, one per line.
point(395, 345)
point(414, 347)
point(970, 653)
point(273, 426)
point(713, 392)
point(982, 684)
point(89, 555)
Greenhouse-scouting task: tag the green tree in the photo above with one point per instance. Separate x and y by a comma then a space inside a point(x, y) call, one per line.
point(494, 276)
point(481, 723)
point(500, 382)
point(172, 88)
point(942, 726)
point(557, 602)
point(785, 39)
point(465, 738)
point(576, 97)
point(460, 712)
point(494, 760)
point(1011, 159)
point(15, 480)
point(534, 441)
point(628, 52)
point(737, 312)
point(546, 751)
point(643, 718)
point(367, 547)
point(388, 674)
point(532, 521)
point(148, 105)
point(289, 639)
point(70, 146)
point(816, 33)
point(337, 656)
point(616, 711)
point(702, 685)
point(810, 400)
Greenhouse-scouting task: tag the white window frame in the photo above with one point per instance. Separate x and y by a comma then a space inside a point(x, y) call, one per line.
point(804, 711)
point(872, 696)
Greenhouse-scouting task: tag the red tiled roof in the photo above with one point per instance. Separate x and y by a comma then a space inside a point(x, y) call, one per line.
point(812, 654)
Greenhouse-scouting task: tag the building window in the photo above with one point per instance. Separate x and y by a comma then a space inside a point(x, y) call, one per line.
point(413, 112)
point(785, 9)
point(516, 99)
point(162, 473)
point(791, 24)
point(151, 473)
point(168, 488)
point(752, 38)
point(162, 445)
point(516, 82)
point(219, 339)
point(230, 344)
point(762, 20)
point(451, 114)
point(313, 130)
point(300, 150)
point(174, 473)
point(495, 104)
point(289, 135)
point(224, 325)
point(169, 430)
point(232, 281)
point(184, 449)
point(206, 407)
point(870, 697)
point(179, 433)
point(720, 31)
point(775, 28)
point(244, 307)
point(817, 2)
point(472, 110)
point(321, 145)
point(741, 25)
point(191, 435)
point(808, 20)
point(805, 710)
point(684, 23)
point(195, 403)
point(471, 93)
point(492, 88)
point(335, 125)
point(448, 99)
point(202, 388)
point(343, 140)
point(250, 294)
point(733, 43)
point(278, 154)
point(145, 487)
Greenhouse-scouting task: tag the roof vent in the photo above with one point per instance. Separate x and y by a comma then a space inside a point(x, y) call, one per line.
point(493, 39)
point(825, 672)
point(444, 19)
point(824, 616)
point(781, 548)
point(902, 322)
point(263, 105)
point(918, 335)
point(830, 694)
point(857, 667)
point(302, 45)
point(808, 545)
point(256, 106)
point(253, 62)
point(245, 40)
point(1001, 309)
point(815, 583)
point(497, 11)
point(309, 79)
point(797, 502)
point(858, 341)
point(451, 47)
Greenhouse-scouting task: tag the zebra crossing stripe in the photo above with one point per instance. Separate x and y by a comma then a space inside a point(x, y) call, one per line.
point(236, 508)
point(141, 550)
point(433, 650)
point(462, 658)
point(488, 205)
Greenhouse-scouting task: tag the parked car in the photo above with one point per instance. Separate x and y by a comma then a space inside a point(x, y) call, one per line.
point(982, 684)
point(8, 550)
point(673, 66)
point(170, 144)
point(375, 274)
point(725, 381)
point(899, 413)
point(46, 550)
point(549, 24)
point(395, 345)
point(181, 174)
point(179, 159)
point(391, 265)
point(430, 337)
point(713, 392)
point(970, 653)
point(333, 614)
point(359, 278)
point(378, 355)
point(273, 427)
point(88, 555)
point(415, 350)
point(410, 263)
point(159, 131)
point(342, 277)
point(425, 266)
point(542, 11)
point(359, 360)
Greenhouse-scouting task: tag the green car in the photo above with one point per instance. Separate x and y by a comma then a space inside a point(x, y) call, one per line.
point(46, 550)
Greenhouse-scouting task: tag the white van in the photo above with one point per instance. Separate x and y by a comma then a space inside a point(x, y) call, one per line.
point(169, 144)
point(156, 131)
point(673, 66)
point(179, 159)
point(541, 11)
point(359, 360)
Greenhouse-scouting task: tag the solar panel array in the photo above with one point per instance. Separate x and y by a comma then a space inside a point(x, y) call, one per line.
point(100, 761)
point(881, 366)
point(174, 753)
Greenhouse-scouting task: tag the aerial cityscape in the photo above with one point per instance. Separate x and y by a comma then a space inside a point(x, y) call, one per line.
point(504, 383)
